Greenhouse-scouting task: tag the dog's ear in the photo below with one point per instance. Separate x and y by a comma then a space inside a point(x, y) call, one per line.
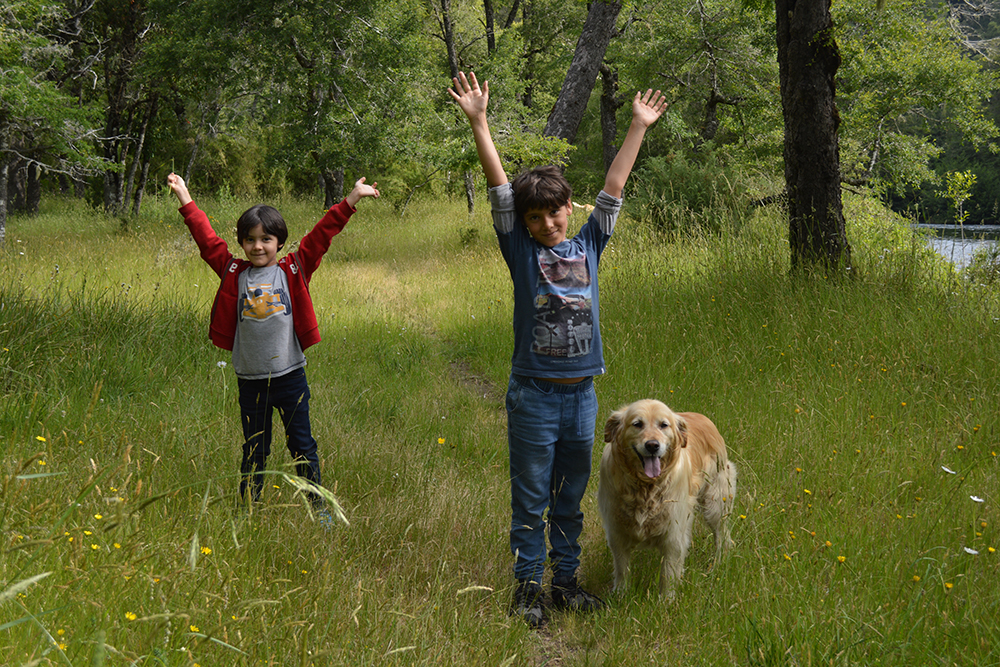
point(612, 425)
point(682, 431)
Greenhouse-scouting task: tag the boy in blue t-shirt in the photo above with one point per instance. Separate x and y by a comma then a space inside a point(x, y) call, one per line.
point(551, 403)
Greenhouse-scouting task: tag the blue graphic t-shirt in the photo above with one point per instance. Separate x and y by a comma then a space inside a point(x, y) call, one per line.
point(556, 306)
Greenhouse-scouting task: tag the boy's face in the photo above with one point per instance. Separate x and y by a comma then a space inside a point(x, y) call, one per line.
point(260, 247)
point(548, 225)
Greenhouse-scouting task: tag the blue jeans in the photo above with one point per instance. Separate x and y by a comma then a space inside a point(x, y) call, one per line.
point(550, 433)
point(258, 399)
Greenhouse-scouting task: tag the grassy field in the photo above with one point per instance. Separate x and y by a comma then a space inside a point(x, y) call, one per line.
point(862, 415)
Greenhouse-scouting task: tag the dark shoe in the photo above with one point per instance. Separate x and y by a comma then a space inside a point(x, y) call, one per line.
point(527, 603)
point(568, 596)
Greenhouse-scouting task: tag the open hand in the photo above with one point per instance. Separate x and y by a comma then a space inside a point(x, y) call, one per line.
point(646, 109)
point(361, 189)
point(470, 97)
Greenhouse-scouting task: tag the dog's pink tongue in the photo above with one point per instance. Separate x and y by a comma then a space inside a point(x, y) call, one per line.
point(652, 466)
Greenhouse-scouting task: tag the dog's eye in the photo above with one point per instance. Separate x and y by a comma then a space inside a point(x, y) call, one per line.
point(637, 423)
point(664, 426)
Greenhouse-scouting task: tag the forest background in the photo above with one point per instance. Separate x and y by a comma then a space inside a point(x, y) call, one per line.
point(102, 98)
point(861, 412)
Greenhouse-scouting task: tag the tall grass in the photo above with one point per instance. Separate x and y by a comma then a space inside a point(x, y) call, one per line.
point(861, 414)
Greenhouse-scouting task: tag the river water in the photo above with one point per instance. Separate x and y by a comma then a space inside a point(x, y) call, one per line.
point(958, 243)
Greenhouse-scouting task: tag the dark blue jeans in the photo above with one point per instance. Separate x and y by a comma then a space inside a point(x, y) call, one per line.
point(258, 399)
point(550, 433)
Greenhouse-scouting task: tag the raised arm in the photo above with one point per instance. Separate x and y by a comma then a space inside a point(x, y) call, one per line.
point(646, 109)
point(473, 101)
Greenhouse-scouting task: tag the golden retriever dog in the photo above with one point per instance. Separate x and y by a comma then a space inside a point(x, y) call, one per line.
point(658, 468)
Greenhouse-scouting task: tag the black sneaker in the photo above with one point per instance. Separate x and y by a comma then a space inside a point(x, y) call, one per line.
point(527, 603)
point(568, 596)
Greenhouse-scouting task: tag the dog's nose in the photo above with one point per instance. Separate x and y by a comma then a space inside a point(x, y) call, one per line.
point(652, 446)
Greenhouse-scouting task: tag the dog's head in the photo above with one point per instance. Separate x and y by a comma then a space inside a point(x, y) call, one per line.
point(646, 437)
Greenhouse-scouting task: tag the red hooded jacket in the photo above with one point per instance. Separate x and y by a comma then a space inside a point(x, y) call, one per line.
point(298, 267)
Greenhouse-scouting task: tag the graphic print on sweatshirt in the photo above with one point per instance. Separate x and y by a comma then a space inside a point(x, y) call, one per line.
point(564, 324)
point(264, 299)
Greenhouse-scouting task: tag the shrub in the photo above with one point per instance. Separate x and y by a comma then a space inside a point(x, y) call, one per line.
point(674, 193)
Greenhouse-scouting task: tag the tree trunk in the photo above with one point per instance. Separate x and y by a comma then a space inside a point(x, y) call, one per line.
point(808, 59)
point(32, 188)
point(137, 204)
point(568, 111)
point(4, 170)
point(491, 39)
point(470, 191)
point(610, 103)
point(189, 170)
point(528, 61)
point(333, 186)
point(130, 181)
point(448, 35)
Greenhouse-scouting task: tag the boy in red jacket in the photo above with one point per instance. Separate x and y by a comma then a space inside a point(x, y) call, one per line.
point(263, 313)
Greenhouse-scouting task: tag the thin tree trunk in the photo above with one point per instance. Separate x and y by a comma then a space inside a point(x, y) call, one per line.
point(137, 203)
point(333, 186)
point(610, 103)
point(130, 183)
point(491, 39)
point(4, 172)
point(32, 188)
point(191, 161)
point(470, 191)
point(512, 15)
point(808, 59)
point(528, 65)
point(568, 111)
point(448, 34)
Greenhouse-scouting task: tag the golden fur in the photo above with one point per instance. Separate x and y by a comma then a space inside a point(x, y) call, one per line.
point(657, 468)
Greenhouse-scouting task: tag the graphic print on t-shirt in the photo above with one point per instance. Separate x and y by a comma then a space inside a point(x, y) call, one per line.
point(564, 324)
point(262, 300)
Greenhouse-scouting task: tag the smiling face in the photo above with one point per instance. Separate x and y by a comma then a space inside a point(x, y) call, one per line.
point(647, 435)
point(260, 247)
point(548, 225)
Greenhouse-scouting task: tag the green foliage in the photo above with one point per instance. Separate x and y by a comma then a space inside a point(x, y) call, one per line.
point(959, 186)
point(37, 117)
point(674, 193)
point(984, 269)
point(901, 65)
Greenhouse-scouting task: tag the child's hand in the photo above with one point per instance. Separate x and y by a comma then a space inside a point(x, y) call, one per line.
point(646, 109)
point(178, 187)
point(362, 190)
point(470, 97)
